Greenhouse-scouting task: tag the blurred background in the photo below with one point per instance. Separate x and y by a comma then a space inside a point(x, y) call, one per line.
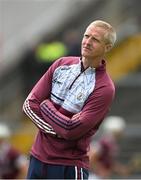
point(33, 33)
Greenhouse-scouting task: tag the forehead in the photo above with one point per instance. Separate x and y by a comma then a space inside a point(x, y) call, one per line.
point(95, 31)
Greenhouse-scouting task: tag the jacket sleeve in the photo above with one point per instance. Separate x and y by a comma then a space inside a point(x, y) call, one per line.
point(39, 93)
point(89, 118)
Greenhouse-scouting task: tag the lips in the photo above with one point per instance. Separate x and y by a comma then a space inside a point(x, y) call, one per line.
point(86, 49)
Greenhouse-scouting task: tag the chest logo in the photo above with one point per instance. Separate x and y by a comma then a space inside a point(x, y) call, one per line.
point(80, 96)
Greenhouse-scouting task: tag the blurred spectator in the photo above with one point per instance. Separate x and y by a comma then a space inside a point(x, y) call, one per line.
point(103, 155)
point(13, 165)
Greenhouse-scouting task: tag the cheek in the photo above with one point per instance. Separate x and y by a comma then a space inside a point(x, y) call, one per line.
point(83, 42)
point(99, 47)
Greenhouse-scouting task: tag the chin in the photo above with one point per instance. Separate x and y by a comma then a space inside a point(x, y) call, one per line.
point(85, 54)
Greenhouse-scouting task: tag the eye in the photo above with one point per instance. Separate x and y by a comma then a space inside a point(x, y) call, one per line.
point(96, 40)
point(86, 36)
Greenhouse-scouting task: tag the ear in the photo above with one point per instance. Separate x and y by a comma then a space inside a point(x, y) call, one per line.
point(108, 47)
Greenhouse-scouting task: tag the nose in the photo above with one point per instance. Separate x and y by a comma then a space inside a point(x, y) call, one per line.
point(88, 41)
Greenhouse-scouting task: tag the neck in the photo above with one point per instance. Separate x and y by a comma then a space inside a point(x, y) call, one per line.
point(94, 63)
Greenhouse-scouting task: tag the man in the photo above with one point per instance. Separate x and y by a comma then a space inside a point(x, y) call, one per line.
point(13, 164)
point(68, 104)
point(103, 154)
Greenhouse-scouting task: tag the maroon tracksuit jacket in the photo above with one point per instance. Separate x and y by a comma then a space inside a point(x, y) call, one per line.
point(65, 90)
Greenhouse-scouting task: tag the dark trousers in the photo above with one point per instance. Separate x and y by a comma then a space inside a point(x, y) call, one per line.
point(40, 170)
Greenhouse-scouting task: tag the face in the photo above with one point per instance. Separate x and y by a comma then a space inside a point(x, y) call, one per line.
point(93, 44)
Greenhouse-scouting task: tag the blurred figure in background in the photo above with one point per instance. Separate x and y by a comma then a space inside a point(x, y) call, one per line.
point(103, 154)
point(13, 165)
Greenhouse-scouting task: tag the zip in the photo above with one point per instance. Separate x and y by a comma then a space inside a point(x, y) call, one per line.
point(82, 71)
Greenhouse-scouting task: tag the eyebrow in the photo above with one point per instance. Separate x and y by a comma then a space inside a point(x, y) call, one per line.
point(87, 34)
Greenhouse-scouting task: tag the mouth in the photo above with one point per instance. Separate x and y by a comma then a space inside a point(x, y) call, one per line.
point(86, 48)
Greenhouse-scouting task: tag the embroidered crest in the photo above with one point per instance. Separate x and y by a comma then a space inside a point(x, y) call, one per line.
point(80, 96)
